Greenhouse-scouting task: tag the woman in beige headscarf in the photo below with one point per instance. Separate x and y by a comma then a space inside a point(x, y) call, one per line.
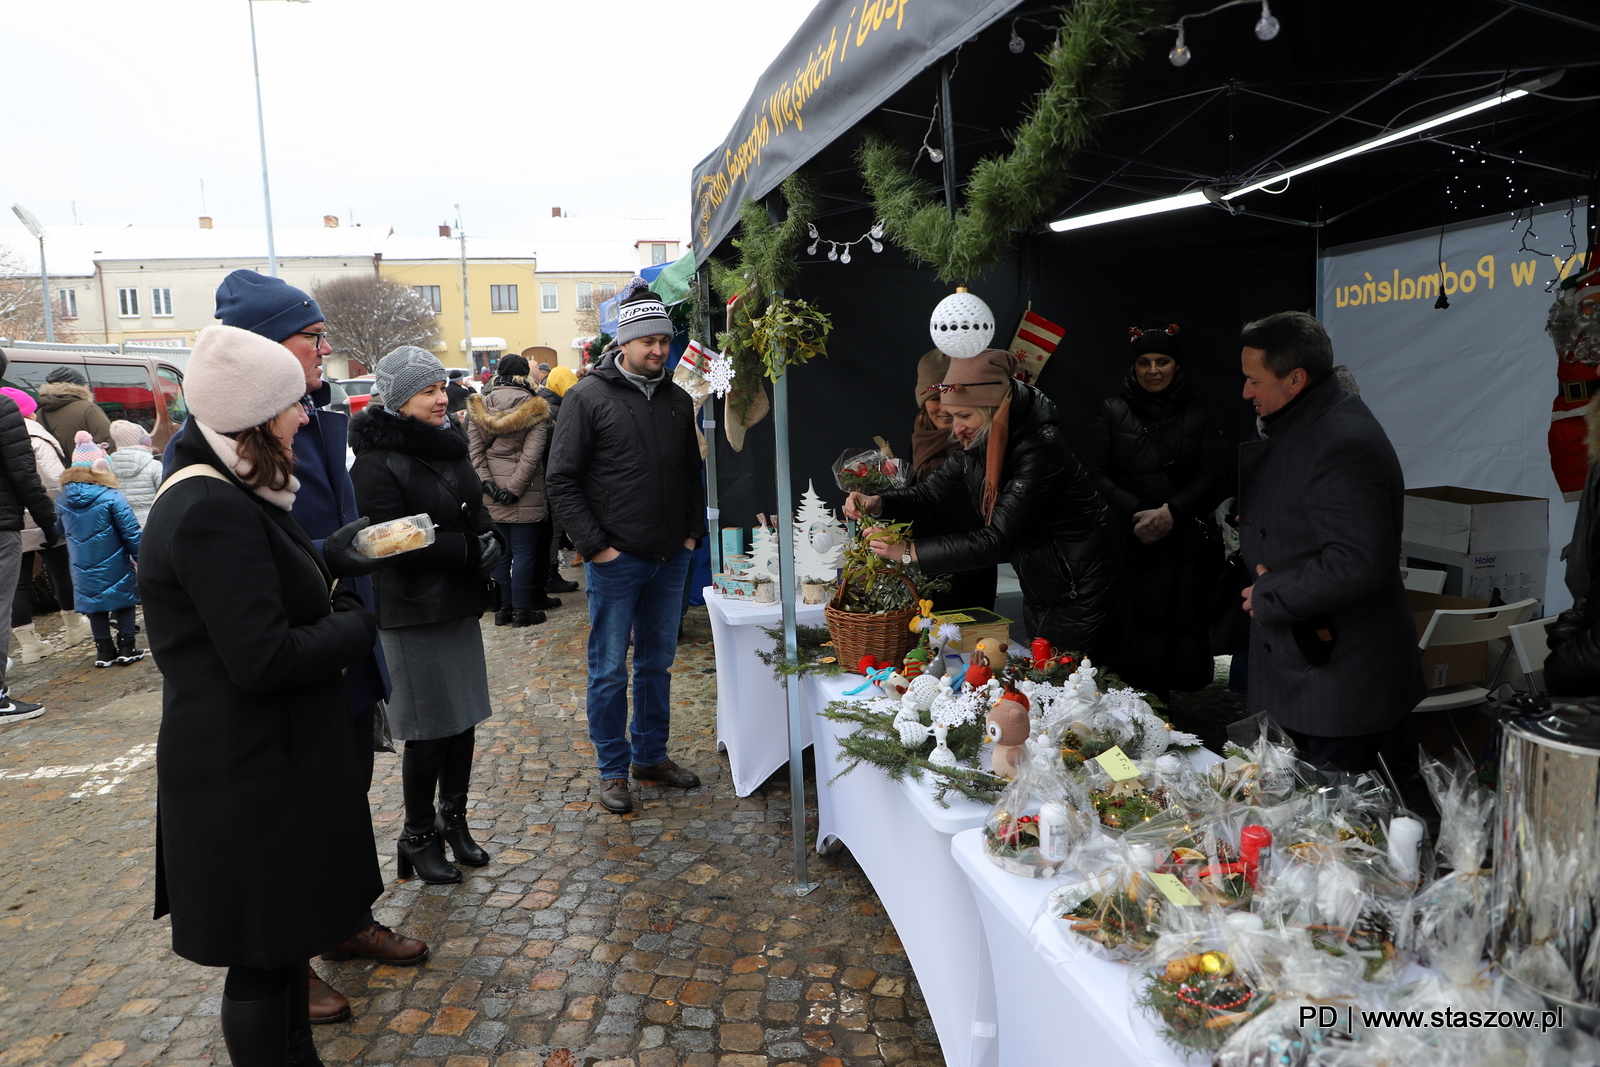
point(1033, 505)
point(932, 442)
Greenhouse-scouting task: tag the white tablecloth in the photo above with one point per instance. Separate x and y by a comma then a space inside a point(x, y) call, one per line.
point(901, 839)
point(752, 716)
point(1074, 1012)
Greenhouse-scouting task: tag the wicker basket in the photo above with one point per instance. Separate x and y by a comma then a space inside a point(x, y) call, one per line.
point(855, 634)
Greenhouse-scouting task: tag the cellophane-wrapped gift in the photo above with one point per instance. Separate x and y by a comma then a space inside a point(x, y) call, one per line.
point(1039, 820)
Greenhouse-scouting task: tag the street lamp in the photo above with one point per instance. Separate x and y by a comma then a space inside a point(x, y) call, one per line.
point(261, 129)
point(36, 228)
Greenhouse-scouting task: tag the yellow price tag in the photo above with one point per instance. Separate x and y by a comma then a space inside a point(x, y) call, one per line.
point(1116, 763)
point(1175, 891)
point(956, 618)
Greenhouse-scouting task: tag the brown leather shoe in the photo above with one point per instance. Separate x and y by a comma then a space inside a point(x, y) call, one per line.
point(328, 1005)
point(614, 795)
point(378, 942)
point(667, 773)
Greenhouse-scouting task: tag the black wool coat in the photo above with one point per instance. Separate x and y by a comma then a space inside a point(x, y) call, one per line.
point(406, 467)
point(1321, 505)
point(624, 470)
point(1049, 522)
point(1147, 449)
point(255, 759)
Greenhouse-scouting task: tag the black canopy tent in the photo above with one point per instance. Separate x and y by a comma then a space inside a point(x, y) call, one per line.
point(1238, 110)
point(1334, 76)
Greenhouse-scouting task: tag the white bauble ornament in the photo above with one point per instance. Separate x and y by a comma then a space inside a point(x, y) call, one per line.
point(962, 325)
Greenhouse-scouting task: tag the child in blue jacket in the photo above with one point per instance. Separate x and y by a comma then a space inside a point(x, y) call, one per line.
point(103, 541)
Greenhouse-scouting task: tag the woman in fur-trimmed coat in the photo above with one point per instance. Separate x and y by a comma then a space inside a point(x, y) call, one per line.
point(507, 433)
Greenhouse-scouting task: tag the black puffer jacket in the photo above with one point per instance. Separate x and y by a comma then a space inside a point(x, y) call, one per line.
point(1144, 450)
point(1049, 523)
point(624, 471)
point(20, 487)
point(406, 467)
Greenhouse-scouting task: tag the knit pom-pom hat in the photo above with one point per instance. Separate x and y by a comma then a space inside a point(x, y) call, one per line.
point(237, 379)
point(125, 434)
point(85, 453)
point(640, 312)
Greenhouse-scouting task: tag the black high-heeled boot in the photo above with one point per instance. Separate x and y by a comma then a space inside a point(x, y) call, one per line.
point(420, 850)
point(455, 773)
point(256, 1031)
point(302, 1050)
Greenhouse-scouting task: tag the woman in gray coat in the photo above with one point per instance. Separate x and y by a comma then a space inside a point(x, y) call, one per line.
point(507, 434)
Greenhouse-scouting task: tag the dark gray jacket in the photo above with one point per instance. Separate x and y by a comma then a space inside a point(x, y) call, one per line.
point(1321, 504)
point(20, 487)
point(624, 470)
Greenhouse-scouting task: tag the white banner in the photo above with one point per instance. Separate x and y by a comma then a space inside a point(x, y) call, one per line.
point(1464, 392)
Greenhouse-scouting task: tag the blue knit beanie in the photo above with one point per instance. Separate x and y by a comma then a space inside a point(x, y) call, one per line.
point(270, 307)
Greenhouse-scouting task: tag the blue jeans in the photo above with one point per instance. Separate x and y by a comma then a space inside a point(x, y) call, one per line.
point(643, 596)
point(520, 573)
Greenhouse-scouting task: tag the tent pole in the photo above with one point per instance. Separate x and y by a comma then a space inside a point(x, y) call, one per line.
point(708, 424)
point(791, 646)
point(948, 137)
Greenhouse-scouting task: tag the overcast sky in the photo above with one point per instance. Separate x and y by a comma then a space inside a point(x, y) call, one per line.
point(378, 111)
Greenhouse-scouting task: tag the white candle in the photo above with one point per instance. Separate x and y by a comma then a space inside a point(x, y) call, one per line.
point(1405, 846)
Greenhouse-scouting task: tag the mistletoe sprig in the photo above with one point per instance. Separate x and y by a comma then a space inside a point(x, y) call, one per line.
point(791, 332)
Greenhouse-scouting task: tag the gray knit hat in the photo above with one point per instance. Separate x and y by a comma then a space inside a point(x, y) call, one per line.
point(640, 313)
point(405, 372)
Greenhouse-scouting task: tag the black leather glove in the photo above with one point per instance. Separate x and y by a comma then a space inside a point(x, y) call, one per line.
point(491, 490)
point(339, 552)
point(502, 495)
point(489, 552)
point(50, 533)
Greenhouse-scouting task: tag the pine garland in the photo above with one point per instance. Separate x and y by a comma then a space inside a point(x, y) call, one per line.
point(1011, 193)
point(878, 742)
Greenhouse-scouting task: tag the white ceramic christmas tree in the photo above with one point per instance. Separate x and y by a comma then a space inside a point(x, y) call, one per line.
point(818, 540)
point(764, 552)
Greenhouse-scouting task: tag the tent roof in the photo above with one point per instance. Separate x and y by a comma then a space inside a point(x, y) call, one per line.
point(1334, 76)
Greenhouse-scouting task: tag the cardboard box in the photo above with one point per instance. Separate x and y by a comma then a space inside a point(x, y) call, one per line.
point(1483, 541)
point(977, 624)
point(1448, 664)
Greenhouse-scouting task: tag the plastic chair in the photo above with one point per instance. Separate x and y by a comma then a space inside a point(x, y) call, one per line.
point(1467, 626)
point(1422, 580)
point(1528, 641)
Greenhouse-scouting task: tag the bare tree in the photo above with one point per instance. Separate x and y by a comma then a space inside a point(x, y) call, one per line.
point(587, 318)
point(22, 301)
point(369, 317)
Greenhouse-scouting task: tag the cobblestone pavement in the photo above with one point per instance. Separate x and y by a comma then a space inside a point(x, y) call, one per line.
point(660, 939)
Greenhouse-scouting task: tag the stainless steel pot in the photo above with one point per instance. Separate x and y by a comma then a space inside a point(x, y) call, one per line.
point(1547, 850)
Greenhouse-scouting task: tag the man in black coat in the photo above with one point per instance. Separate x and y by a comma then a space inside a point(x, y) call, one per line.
point(20, 490)
point(1333, 650)
point(624, 479)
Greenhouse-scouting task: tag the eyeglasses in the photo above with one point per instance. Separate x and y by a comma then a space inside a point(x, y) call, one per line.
point(318, 339)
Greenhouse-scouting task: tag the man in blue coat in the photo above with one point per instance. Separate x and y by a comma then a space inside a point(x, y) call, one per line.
point(325, 501)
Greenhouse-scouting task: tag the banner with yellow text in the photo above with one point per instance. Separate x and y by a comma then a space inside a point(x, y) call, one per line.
point(1466, 392)
point(848, 57)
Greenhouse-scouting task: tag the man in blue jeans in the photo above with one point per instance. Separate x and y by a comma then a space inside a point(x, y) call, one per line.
point(624, 478)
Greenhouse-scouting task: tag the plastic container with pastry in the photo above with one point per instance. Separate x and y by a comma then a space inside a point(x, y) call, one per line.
point(396, 536)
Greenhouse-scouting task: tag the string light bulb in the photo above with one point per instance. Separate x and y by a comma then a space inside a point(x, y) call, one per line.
point(935, 155)
point(1266, 26)
point(1016, 44)
point(1180, 53)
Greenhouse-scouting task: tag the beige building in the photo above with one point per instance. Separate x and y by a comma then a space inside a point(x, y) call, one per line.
point(156, 286)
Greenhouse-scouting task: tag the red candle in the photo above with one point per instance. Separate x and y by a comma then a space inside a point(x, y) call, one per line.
point(1253, 840)
point(1041, 653)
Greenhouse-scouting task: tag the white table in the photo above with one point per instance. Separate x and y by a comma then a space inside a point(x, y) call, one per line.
point(752, 714)
point(1050, 1012)
point(901, 838)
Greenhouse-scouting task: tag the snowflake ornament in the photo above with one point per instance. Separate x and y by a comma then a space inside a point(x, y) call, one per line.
point(719, 374)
